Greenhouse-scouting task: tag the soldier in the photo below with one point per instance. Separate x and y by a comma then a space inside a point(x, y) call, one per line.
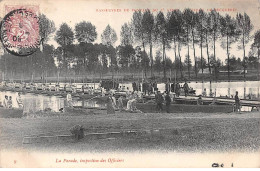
point(167, 102)
point(69, 100)
point(237, 103)
point(110, 108)
point(10, 102)
point(199, 101)
point(204, 93)
point(173, 87)
point(177, 89)
point(155, 86)
point(186, 89)
point(159, 101)
point(5, 103)
point(120, 103)
point(19, 100)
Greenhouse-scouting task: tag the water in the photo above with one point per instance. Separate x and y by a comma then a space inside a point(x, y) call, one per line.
point(219, 88)
point(37, 102)
point(34, 102)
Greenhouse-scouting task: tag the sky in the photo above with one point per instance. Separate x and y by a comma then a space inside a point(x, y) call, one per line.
point(117, 12)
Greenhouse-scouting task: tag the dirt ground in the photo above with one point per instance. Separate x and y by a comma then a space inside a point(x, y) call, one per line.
point(181, 132)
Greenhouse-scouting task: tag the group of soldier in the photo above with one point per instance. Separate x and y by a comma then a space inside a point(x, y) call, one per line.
point(159, 99)
point(8, 101)
point(151, 87)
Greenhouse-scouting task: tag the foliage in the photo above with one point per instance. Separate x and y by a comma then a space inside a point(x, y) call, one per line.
point(108, 37)
point(126, 35)
point(85, 32)
point(64, 36)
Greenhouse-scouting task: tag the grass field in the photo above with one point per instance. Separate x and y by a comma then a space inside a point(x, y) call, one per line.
point(188, 132)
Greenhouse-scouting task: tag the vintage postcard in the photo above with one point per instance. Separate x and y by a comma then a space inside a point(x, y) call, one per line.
point(129, 83)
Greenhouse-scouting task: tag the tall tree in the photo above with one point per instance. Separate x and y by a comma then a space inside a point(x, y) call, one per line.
point(161, 36)
point(189, 23)
point(126, 54)
point(85, 32)
point(139, 31)
point(194, 35)
point(256, 44)
point(202, 64)
point(207, 38)
point(126, 51)
point(49, 64)
point(214, 30)
point(126, 35)
point(245, 27)
point(230, 35)
point(144, 59)
point(64, 37)
point(168, 62)
point(109, 37)
point(180, 38)
point(175, 32)
point(138, 28)
point(187, 61)
point(148, 30)
point(47, 27)
point(201, 28)
point(158, 61)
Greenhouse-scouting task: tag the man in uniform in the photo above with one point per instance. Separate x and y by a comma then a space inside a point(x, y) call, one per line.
point(5, 102)
point(237, 103)
point(69, 100)
point(159, 101)
point(19, 100)
point(186, 89)
point(167, 102)
point(177, 89)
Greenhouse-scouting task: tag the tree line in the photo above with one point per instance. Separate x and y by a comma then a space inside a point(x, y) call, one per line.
point(147, 32)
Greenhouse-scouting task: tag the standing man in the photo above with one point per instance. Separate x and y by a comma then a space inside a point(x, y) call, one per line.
point(186, 89)
point(114, 101)
point(120, 103)
point(57, 87)
point(110, 108)
point(237, 103)
point(177, 89)
point(10, 102)
point(129, 103)
point(5, 103)
point(19, 100)
point(173, 87)
point(69, 100)
point(168, 102)
point(134, 86)
point(204, 93)
point(82, 88)
point(167, 86)
point(199, 101)
point(145, 87)
point(159, 101)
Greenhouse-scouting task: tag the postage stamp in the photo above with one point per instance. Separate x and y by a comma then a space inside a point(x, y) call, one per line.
point(20, 30)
